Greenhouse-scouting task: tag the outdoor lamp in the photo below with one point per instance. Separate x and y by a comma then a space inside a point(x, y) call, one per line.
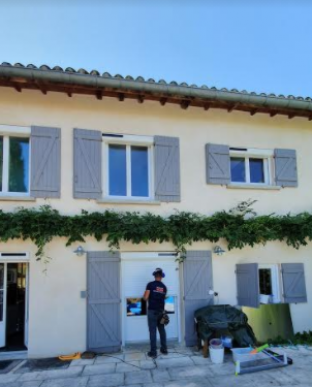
point(218, 250)
point(79, 251)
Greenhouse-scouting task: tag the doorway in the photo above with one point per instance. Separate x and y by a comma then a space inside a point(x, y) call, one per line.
point(13, 306)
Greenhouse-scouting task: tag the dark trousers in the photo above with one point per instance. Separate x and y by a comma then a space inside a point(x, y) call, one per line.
point(153, 325)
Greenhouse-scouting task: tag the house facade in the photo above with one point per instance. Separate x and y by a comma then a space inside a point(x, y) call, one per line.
point(72, 143)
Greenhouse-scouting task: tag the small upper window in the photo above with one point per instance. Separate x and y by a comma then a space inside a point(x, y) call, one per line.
point(14, 165)
point(129, 170)
point(250, 168)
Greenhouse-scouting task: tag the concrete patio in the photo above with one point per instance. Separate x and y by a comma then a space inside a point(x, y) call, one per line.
point(182, 367)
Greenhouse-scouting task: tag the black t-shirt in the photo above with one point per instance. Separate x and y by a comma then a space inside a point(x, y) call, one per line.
point(156, 299)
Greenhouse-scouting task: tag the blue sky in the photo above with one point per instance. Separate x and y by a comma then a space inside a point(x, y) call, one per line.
point(256, 45)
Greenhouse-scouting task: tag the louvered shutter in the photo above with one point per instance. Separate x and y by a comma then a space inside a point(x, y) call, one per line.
point(286, 167)
point(197, 272)
point(218, 164)
point(87, 164)
point(167, 169)
point(45, 179)
point(294, 286)
point(103, 308)
point(247, 280)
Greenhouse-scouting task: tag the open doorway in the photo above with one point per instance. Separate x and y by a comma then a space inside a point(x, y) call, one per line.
point(13, 306)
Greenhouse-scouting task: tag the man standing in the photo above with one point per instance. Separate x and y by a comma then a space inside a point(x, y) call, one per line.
point(155, 294)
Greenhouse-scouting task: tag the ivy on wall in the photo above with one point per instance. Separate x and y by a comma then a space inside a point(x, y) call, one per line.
point(239, 227)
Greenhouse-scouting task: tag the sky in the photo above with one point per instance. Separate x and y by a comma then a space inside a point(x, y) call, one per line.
point(253, 45)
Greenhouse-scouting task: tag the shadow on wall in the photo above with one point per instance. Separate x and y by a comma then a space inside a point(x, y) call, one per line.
point(270, 321)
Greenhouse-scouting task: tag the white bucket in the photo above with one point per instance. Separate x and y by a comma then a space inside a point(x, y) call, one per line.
point(216, 355)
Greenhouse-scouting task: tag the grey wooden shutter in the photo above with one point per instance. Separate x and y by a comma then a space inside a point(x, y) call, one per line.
point(247, 280)
point(104, 314)
point(294, 287)
point(218, 164)
point(45, 171)
point(167, 169)
point(197, 272)
point(87, 164)
point(286, 167)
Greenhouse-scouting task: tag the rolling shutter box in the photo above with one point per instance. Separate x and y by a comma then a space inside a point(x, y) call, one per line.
point(87, 164)
point(294, 287)
point(218, 164)
point(167, 169)
point(247, 281)
point(286, 167)
point(45, 179)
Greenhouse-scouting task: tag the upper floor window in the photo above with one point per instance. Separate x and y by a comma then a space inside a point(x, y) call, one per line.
point(251, 166)
point(128, 167)
point(14, 164)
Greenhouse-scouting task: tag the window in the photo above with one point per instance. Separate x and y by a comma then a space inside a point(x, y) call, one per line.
point(251, 166)
point(269, 284)
point(14, 165)
point(128, 172)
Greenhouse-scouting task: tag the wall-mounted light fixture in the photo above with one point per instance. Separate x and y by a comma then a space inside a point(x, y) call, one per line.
point(218, 250)
point(80, 251)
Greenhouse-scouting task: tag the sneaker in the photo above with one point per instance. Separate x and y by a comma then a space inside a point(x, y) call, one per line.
point(152, 355)
point(164, 351)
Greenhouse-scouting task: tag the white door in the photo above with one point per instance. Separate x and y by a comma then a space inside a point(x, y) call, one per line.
point(2, 303)
point(137, 271)
point(26, 306)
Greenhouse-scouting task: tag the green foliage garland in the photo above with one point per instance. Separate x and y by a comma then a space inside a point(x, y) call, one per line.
point(239, 227)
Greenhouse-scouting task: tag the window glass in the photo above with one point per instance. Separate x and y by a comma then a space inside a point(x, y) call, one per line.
point(256, 170)
point(117, 170)
point(265, 281)
point(136, 307)
point(139, 171)
point(1, 289)
point(238, 173)
point(170, 305)
point(1, 161)
point(19, 164)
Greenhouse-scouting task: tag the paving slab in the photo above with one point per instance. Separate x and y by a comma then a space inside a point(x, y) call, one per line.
point(196, 383)
point(189, 372)
point(107, 380)
point(8, 378)
point(13, 384)
point(70, 372)
point(109, 359)
point(152, 385)
point(135, 356)
point(133, 366)
point(31, 384)
point(98, 369)
point(160, 376)
point(81, 362)
point(138, 377)
point(200, 360)
point(147, 364)
point(69, 382)
point(175, 362)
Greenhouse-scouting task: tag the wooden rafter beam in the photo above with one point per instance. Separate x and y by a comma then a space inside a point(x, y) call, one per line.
point(253, 112)
point(18, 88)
point(99, 95)
point(231, 108)
point(273, 114)
point(141, 98)
point(290, 116)
point(163, 101)
point(207, 107)
point(121, 97)
point(70, 94)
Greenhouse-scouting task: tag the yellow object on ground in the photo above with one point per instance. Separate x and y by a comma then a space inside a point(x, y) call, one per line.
point(259, 349)
point(73, 356)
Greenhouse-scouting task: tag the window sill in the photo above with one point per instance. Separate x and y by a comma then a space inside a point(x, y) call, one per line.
point(254, 186)
point(128, 201)
point(18, 198)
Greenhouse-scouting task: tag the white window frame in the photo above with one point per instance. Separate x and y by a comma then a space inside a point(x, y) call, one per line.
point(276, 282)
point(266, 155)
point(128, 141)
point(7, 131)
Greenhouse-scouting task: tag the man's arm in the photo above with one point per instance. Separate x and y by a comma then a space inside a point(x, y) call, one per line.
point(146, 294)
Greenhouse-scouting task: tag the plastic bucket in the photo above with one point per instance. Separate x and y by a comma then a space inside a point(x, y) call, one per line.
point(216, 343)
point(216, 355)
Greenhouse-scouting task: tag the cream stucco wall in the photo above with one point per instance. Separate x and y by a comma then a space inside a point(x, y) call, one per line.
point(57, 313)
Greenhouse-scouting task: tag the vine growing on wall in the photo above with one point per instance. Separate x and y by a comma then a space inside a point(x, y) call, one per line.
point(239, 227)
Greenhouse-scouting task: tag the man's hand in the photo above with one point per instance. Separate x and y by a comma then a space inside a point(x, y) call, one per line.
point(146, 295)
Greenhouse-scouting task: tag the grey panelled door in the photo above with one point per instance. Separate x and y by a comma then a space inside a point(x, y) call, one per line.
point(247, 280)
point(286, 167)
point(167, 169)
point(294, 287)
point(87, 164)
point(45, 179)
point(104, 314)
point(197, 271)
point(218, 164)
